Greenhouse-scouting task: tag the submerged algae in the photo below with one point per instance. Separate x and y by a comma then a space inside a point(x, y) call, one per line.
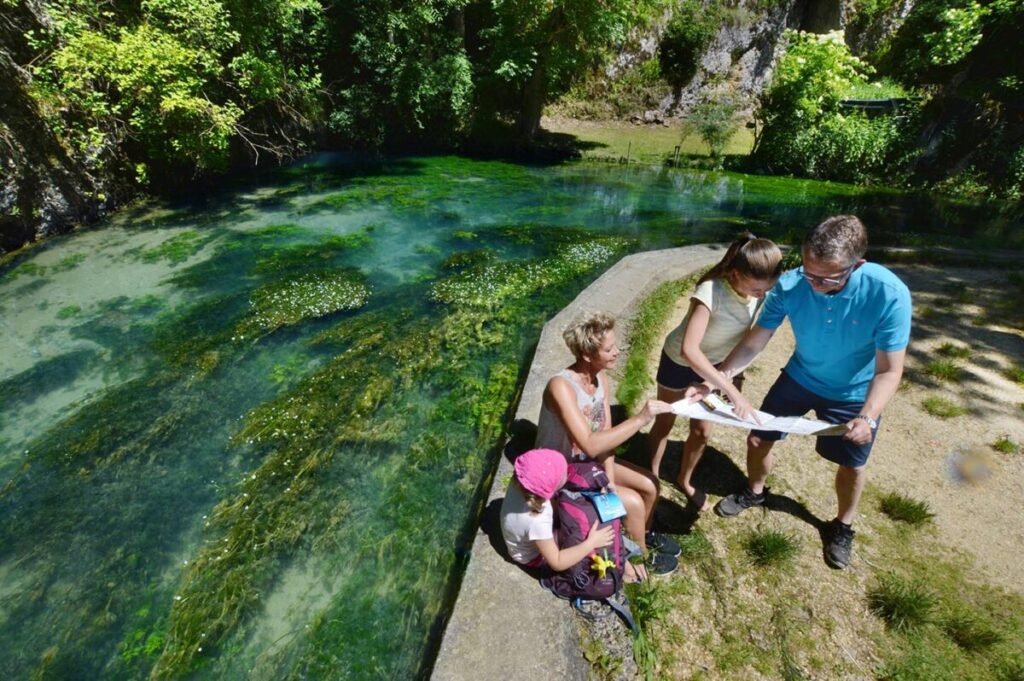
point(363, 400)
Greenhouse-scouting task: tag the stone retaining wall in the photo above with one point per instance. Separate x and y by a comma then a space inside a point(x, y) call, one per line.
point(504, 626)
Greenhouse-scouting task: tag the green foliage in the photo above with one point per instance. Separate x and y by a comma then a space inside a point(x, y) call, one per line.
point(173, 83)
point(397, 71)
point(805, 132)
point(714, 119)
point(902, 603)
point(687, 35)
point(905, 509)
point(536, 50)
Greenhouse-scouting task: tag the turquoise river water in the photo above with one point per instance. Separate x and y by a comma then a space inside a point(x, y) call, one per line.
point(246, 436)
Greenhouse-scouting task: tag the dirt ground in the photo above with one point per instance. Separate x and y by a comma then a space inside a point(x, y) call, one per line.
point(727, 618)
point(918, 454)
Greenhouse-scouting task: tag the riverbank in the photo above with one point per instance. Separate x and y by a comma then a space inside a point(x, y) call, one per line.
point(725, 614)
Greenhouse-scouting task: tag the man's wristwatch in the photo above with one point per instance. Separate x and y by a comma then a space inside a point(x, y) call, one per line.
point(872, 423)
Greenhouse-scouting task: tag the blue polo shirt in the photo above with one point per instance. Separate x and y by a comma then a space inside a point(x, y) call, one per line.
point(837, 335)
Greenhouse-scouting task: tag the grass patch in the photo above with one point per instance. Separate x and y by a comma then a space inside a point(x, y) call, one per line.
point(904, 509)
point(695, 546)
point(1006, 445)
point(954, 351)
point(942, 408)
point(902, 603)
point(1016, 374)
point(770, 547)
point(943, 370)
point(969, 631)
point(647, 330)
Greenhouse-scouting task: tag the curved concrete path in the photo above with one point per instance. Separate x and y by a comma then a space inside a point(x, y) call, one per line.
point(504, 626)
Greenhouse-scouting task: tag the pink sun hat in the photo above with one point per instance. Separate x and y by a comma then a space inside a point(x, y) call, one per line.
point(541, 471)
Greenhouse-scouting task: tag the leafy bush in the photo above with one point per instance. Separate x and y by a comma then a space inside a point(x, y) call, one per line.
point(805, 132)
point(687, 36)
point(714, 119)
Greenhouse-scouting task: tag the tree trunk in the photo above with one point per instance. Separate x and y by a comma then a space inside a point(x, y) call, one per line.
point(533, 103)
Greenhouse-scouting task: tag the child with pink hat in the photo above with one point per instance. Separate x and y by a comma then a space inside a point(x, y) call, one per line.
point(527, 518)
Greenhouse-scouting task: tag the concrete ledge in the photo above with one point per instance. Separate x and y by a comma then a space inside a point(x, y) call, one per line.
point(503, 624)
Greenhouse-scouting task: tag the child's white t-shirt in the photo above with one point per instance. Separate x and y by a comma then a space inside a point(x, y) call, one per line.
point(731, 317)
point(522, 528)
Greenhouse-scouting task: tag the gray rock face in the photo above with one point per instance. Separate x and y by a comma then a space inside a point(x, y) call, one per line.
point(44, 188)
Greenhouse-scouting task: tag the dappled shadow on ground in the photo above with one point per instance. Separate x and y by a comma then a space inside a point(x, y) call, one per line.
point(983, 313)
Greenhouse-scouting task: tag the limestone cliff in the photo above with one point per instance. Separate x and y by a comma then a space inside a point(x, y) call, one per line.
point(45, 188)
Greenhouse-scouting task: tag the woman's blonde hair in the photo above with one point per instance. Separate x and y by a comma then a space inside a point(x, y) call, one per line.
point(750, 257)
point(585, 336)
point(534, 502)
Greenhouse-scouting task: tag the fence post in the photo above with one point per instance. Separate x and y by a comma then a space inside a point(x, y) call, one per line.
point(675, 161)
point(629, 150)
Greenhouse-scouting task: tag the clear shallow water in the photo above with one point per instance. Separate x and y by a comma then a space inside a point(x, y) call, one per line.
point(245, 436)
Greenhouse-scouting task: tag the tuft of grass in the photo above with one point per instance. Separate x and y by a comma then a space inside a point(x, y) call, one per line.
point(954, 351)
point(695, 546)
point(1006, 445)
point(1016, 374)
point(970, 631)
point(770, 547)
point(903, 604)
point(943, 370)
point(905, 509)
point(942, 408)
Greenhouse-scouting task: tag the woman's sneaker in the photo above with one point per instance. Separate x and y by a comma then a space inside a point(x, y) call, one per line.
point(661, 563)
point(662, 543)
point(734, 504)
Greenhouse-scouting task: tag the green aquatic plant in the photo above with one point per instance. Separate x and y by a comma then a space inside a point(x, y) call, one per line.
point(464, 259)
point(274, 257)
point(490, 285)
point(301, 298)
point(69, 262)
point(68, 311)
point(178, 248)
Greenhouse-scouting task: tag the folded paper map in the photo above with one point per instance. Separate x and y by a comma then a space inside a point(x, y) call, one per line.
point(716, 410)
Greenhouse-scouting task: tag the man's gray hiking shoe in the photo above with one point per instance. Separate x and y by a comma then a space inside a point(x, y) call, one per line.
point(734, 504)
point(838, 544)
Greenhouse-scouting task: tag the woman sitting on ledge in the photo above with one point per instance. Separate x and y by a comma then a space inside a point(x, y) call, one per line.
point(575, 419)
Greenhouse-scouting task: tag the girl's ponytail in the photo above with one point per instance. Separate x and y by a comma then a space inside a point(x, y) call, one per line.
point(748, 256)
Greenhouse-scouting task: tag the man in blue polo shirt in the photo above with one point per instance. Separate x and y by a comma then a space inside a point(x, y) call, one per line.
point(851, 320)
